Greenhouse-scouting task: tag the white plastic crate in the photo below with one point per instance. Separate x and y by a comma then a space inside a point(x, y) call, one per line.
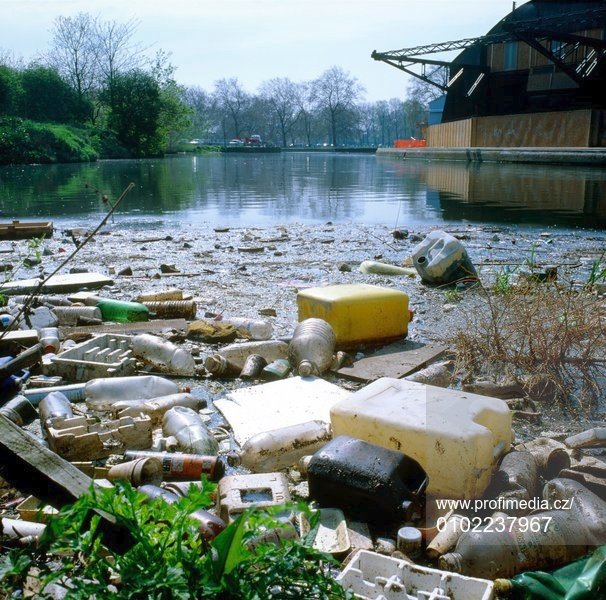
point(107, 355)
point(372, 576)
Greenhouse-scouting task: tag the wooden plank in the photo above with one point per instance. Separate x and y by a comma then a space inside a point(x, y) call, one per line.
point(58, 284)
point(34, 469)
point(395, 360)
point(18, 230)
point(13, 341)
point(154, 326)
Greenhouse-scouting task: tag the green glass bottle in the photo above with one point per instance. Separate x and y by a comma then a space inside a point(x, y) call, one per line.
point(121, 311)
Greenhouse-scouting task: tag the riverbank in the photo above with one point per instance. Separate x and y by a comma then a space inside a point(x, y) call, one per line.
point(549, 156)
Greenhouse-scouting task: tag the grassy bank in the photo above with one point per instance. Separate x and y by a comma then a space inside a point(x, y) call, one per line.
point(27, 142)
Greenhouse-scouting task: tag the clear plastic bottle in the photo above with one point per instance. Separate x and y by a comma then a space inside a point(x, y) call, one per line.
point(192, 435)
point(54, 406)
point(156, 407)
point(253, 329)
point(280, 448)
point(270, 350)
point(49, 338)
point(163, 354)
point(69, 315)
point(312, 347)
point(101, 393)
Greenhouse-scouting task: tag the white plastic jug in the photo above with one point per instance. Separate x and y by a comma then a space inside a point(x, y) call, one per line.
point(440, 258)
point(457, 437)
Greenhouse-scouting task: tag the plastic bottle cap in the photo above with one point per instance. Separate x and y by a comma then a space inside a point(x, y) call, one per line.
point(306, 368)
point(409, 540)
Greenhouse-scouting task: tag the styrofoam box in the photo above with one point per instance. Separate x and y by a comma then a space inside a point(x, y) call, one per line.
point(371, 576)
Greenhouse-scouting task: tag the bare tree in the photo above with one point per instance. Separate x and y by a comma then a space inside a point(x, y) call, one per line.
point(200, 104)
point(74, 52)
point(424, 92)
point(234, 101)
point(335, 93)
point(282, 95)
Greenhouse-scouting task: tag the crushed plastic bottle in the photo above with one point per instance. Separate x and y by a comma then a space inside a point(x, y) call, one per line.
point(163, 354)
point(101, 393)
point(312, 347)
point(192, 435)
point(251, 328)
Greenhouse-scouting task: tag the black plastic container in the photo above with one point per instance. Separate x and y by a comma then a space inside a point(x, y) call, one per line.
point(366, 481)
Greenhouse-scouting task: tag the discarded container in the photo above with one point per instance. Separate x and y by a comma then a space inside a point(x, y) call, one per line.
point(7, 322)
point(163, 354)
point(270, 350)
point(137, 472)
point(192, 435)
point(312, 347)
point(440, 258)
point(120, 311)
point(277, 369)
point(595, 437)
point(357, 313)
point(379, 268)
point(332, 536)
point(371, 576)
point(446, 538)
point(209, 525)
point(276, 536)
point(74, 392)
point(155, 492)
point(107, 355)
point(438, 374)
point(170, 295)
point(178, 309)
point(280, 448)
point(70, 315)
point(181, 488)
point(517, 471)
point(253, 366)
point(18, 528)
point(184, 466)
point(251, 328)
point(455, 436)
point(102, 393)
point(219, 366)
point(368, 482)
point(54, 406)
point(49, 338)
point(236, 493)
point(156, 407)
point(44, 299)
point(41, 317)
point(20, 411)
point(551, 456)
point(409, 541)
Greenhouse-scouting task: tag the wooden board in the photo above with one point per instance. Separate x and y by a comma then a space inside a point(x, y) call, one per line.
point(18, 230)
point(58, 284)
point(395, 360)
point(20, 338)
point(154, 326)
point(34, 469)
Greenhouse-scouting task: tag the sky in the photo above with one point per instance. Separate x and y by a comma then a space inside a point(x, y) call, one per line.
point(257, 40)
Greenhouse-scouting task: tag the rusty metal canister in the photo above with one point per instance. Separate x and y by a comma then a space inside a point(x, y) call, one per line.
point(174, 309)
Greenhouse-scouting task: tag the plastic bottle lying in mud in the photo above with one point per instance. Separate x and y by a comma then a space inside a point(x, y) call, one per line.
point(219, 366)
point(54, 406)
point(49, 338)
point(251, 328)
point(163, 354)
point(170, 295)
point(101, 393)
point(70, 315)
point(270, 350)
point(121, 311)
point(542, 540)
point(312, 347)
point(192, 435)
point(280, 448)
point(155, 407)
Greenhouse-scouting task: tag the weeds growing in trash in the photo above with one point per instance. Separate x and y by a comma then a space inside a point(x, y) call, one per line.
point(538, 334)
point(597, 272)
point(170, 559)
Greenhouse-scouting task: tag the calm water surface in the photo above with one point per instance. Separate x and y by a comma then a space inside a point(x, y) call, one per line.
point(239, 190)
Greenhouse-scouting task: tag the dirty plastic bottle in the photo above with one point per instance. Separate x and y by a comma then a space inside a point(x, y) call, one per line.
point(49, 338)
point(121, 311)
point(270, 350)
point(70, 315)
point(101, 393)
point(163, 354)
point(379, 268)
point(155, 407)
point(219, 366)
point(280, 448)
point(251, 328)
point(192, 435)
point(253, 366)
point(312, 347)
point(540, 541)
point(74, 392)
point(518, 471)
point(440, 259)
point(7, 322)
point(170, 295)
point(54, 406)
point(174, 309)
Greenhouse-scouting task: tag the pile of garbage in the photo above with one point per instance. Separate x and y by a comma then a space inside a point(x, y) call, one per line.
point(422, 490)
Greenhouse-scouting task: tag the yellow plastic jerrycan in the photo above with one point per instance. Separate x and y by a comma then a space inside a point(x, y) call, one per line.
point(457, 437)
point(358, 313)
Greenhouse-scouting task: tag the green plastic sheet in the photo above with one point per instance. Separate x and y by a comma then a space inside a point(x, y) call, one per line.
point(584, 579)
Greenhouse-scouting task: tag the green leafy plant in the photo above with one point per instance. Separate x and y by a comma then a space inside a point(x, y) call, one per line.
point(597, 273)
point(452, 295)
point(503, 281)
point(169, 559)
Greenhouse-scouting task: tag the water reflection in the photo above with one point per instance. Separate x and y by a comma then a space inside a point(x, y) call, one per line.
point(307, 187)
